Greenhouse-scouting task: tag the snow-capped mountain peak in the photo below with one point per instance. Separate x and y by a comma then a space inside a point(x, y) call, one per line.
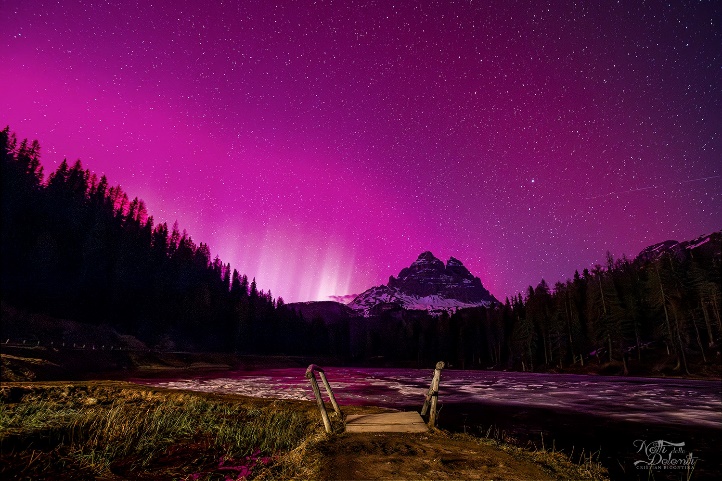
point(427, 284)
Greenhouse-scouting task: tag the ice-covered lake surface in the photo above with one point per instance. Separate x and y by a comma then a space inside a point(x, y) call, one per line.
point(645, 400)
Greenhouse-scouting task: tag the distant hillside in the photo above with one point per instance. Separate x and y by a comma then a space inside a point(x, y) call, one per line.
point(329, 311)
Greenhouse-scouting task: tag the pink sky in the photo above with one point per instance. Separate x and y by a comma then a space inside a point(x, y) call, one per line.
point(321, 148)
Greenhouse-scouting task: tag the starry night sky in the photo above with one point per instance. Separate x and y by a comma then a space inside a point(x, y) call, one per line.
point(321, 146)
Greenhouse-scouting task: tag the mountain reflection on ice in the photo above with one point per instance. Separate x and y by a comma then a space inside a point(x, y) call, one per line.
point(660, 401)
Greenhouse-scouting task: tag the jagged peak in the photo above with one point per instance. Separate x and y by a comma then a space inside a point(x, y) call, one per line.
point(425, 262)
point(453, 261)
point(426, 256)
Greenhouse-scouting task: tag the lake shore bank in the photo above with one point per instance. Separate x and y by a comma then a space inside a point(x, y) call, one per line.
point(120, 430)
point(48, 363)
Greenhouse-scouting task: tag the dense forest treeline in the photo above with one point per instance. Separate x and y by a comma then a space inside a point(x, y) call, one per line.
point(614, 314)
point(75, 247)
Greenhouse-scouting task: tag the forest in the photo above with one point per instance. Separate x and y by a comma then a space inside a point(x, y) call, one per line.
point(75, 247)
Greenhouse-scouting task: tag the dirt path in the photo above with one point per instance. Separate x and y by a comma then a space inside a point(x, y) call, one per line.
point(402, 456)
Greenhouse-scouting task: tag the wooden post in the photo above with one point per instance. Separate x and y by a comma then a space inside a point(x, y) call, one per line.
point(317, 392)
point(330, 392)
point(433, 395)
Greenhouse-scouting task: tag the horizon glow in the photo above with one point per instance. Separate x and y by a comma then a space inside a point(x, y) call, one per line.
point(321, 147)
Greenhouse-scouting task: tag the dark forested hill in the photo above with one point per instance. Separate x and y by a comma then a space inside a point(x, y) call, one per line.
point(663, 309)
point(75, 247)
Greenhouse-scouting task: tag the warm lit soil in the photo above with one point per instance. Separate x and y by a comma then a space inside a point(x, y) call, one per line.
point(438, 455)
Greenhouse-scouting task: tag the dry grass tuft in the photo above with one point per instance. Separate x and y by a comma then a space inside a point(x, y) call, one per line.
point(130, 430)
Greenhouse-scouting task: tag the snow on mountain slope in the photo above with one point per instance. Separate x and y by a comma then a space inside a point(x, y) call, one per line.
point(708, 244)
point(427, 284)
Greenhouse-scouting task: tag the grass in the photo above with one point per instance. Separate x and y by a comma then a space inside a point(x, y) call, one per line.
point(583, 465)
point(101, 431)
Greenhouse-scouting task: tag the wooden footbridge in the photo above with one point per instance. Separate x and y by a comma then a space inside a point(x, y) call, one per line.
point(396, 422)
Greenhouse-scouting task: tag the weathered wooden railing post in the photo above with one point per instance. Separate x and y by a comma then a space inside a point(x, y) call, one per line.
point(433, 395)
point(317, 392)
point(311, 376)
point(329, 391)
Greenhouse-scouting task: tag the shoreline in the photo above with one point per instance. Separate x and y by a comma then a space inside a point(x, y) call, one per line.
point(527, 426)
point(305, 451)
point(612, 438)
point(47, 363)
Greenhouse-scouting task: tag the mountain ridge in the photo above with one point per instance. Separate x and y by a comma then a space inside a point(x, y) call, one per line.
point(708, 243)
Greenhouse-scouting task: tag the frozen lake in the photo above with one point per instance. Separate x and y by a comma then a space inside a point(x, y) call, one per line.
point(656, 401)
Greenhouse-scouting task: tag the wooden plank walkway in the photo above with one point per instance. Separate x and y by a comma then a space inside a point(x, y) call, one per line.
point(403, 422)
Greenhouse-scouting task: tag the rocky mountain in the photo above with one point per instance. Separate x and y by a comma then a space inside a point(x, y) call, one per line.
point(427, 285)
point(708, 245)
